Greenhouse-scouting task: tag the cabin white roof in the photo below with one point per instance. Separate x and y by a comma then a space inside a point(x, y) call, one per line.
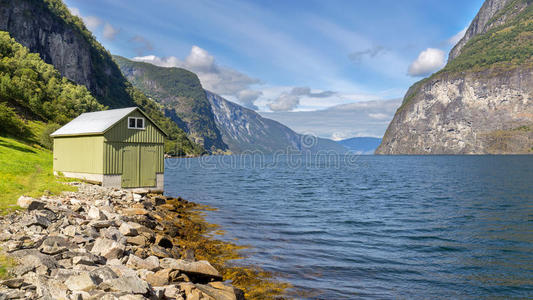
point(94, 122)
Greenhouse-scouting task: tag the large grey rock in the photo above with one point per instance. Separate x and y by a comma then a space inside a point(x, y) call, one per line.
point(36, 220)
point(126, 284)
point(96, 214)
point(202, 267)
point(24, 201)
point(150, 263)
point(218, 291)
point(31, 259)
point(82, 282)
point(103, 274)
point(53, 245)
point(129, 228)
point(108, 248)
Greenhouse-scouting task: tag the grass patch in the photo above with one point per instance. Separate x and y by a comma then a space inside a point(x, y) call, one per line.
point(25, 170)
point(6, 263)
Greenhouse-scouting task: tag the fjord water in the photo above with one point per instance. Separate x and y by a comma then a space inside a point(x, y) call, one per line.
point(374, 226)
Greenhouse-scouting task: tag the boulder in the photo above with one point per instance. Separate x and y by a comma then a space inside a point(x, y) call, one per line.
point(159, 251)
point(24, 201)
point(69, 230)
point(129, 228)
point(103, 274)
point(32, 259)
point(159, 278)
point(137, 240)
point(200, 268)
point(13, 283)
point(36, 205)
point(82, 282)
point(126, 284)
point(83, 260)
point(53, 245)
point(221, 292)
point(108, 248)
point(95, 214)
point(36, 220)
point(151, 263)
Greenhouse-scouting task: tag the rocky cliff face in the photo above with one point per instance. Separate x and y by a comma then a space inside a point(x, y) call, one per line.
point(63, 41)
point(245, 130)
point(481, 102)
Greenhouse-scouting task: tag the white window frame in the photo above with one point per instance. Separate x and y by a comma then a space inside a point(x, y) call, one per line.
point(135, 127)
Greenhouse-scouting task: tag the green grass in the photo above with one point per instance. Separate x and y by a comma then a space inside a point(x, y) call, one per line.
point(25, 170)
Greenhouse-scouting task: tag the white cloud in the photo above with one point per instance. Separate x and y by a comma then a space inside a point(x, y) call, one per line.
point(248, 97)
point(289, 100)
point(215, 78)
point(110, 32)
point(378, 116)
point(341, 121)
point(91, 22)
point(457, 37)
point(428, 61)
point(75, 11)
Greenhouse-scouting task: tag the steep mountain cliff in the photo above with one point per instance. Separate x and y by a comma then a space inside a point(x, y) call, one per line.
point(47, 27)
point(481, 101)
point(245, 130)
point(181, 94)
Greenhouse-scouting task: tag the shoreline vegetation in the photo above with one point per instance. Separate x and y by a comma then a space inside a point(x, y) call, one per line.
point(27, 170)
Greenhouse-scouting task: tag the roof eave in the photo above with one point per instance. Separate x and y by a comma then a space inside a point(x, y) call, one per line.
point(76, 134)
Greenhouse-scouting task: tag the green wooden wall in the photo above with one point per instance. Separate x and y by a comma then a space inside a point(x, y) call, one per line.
point(114, 151)
point(84, 154)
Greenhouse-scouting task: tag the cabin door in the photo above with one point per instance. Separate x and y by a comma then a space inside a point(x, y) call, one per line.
point(130, 167)
point(148, 164)
point(139, 166)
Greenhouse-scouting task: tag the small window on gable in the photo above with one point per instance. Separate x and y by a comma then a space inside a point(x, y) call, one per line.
point(135, 123)
point(131, 122)
point(140, 123)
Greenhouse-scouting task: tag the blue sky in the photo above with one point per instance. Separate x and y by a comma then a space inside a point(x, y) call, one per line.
point(286, 56)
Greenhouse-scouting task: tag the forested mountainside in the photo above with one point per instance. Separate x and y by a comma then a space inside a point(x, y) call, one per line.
point(245, 130)
point(481, 101)
point(47, 27)
point(33, 90)
point(181, 94)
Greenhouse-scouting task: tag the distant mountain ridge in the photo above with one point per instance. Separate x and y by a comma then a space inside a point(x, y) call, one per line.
point(245, 130)
point(181, 94)
point(361, 145)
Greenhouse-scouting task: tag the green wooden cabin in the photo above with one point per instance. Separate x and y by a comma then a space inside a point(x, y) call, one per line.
point(120, 148)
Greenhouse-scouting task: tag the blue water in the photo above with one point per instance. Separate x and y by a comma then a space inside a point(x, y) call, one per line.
point(372, 226)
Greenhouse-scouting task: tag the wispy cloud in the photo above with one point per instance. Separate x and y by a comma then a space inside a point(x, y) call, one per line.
point(110, 32)
point(365, 118)
point(141, 45)
point(91, 22)
point(358, 56)
point(457, 37)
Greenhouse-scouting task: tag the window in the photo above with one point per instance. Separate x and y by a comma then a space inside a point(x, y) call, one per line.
point(135, 123)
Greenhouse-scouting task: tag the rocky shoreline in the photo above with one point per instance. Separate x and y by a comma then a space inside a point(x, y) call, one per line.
point(101, 243)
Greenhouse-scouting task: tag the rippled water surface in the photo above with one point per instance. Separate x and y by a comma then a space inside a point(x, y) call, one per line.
point(376, 227)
